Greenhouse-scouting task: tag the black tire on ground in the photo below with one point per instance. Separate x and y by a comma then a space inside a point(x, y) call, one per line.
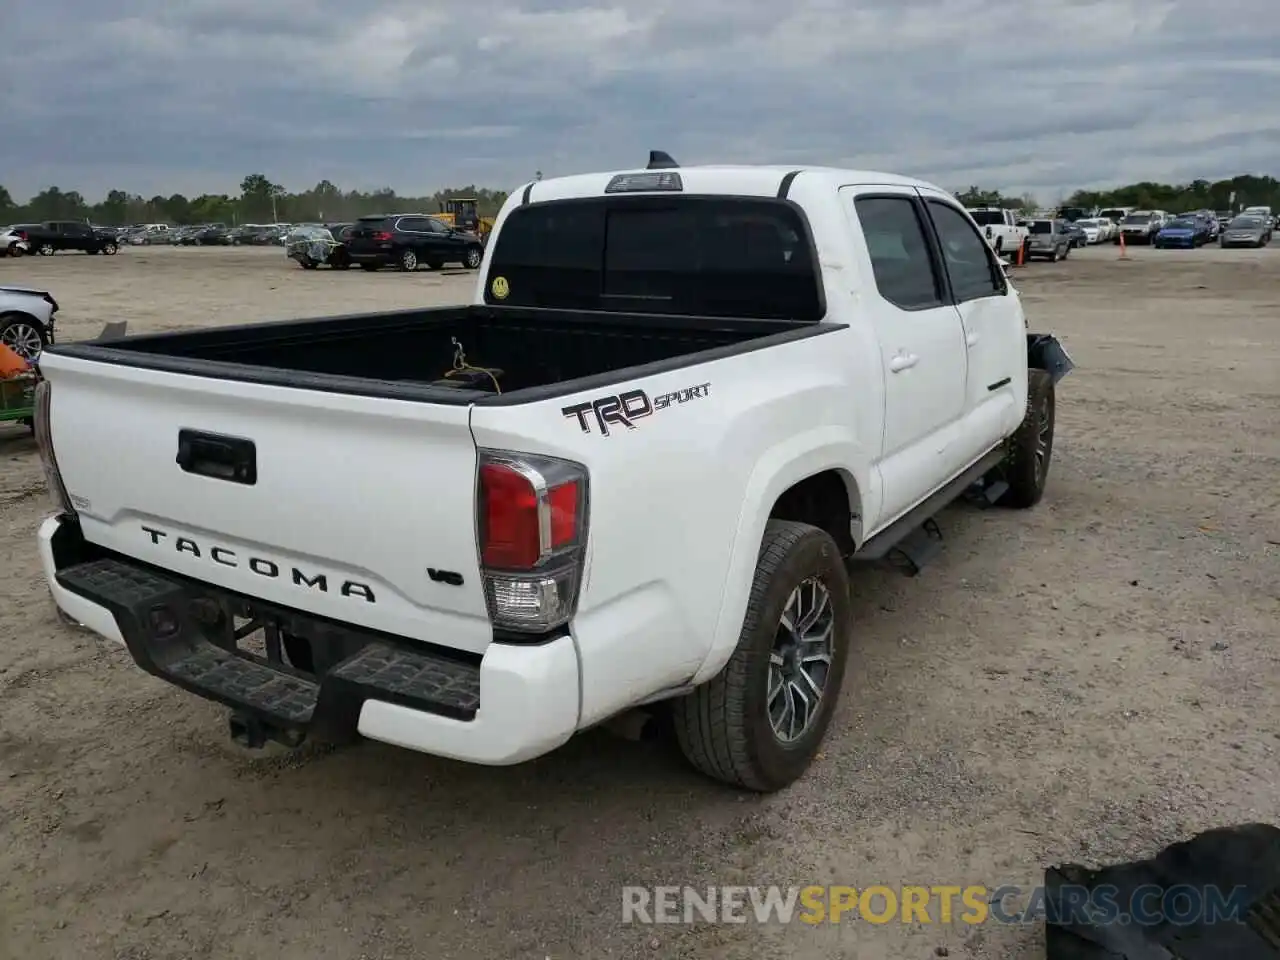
point(45, 250)
point(472, 258)
point(408, 261)
point(308, 264)
point(110, 249)
point(1029, 451)
point(724, 727)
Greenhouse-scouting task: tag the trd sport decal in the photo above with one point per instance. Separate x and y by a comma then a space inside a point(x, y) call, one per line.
point(624, 409)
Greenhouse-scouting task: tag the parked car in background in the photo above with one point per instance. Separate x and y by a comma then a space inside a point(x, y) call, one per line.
point(1001, 228)
point(1115, 214)
point(1246, 230)
point(313, 246)
point(212, 235)
point(26, 320)
point(1263, 212)
point(13, 242)
point(1186, 231)
point(1076, 232)
point(1048, 240)
point(54, 236)
point(1206, 217)
point(408, 240)
point(1141, 226)
point(1094, 230)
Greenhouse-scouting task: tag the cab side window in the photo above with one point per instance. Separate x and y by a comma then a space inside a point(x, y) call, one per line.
point(900, 259)
point(967, 257)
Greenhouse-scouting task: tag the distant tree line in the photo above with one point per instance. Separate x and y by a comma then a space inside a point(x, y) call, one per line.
point(1249, 191)
point(262, 201)
point(259, 201)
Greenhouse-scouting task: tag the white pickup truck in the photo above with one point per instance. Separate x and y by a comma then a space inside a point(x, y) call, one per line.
point(1002, 229)
point(629, 473)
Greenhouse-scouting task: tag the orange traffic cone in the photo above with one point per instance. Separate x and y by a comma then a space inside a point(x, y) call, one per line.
point(1022, 253)
point(1124, 251)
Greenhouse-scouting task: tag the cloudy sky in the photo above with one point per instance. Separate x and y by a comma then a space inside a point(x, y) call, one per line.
point(157, 96)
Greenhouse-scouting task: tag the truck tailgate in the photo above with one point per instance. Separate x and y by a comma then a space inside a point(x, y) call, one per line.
point(355, 503)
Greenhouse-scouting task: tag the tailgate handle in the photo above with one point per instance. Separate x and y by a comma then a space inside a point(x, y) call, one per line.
point(234, 459)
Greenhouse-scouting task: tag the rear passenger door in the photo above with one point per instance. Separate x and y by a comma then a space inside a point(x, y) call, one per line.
point(993, 322)
point(412, 232)
point(921, 343)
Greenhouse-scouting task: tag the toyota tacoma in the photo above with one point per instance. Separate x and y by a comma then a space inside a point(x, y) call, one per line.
point(629, 473)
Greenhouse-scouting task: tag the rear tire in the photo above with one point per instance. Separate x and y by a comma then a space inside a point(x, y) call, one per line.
point(45, 249)
point(726, 727)
point(408, 261)
point(1030, 450)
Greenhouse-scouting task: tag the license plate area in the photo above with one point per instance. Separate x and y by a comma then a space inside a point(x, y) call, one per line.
point(274, 636)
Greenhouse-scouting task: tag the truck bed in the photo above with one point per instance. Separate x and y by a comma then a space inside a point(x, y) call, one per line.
point(535, 353)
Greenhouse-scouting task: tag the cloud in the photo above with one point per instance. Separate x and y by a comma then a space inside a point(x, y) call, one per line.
point(153, 96)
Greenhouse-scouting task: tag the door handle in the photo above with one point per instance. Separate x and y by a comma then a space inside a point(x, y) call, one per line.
point(233, 459)
point(903, 361)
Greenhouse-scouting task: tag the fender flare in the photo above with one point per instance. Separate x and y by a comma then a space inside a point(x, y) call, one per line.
point(779, 468)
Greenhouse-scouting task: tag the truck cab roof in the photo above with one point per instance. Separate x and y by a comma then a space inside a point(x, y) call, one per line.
point(748, 181)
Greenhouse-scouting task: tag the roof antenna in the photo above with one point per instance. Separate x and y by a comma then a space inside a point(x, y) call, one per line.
point(661, 160)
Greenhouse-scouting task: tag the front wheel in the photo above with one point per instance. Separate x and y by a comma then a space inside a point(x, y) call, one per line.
point(109, 249)
point(1030, 449)
point(759, 722)
point(23, 336)
point(473, 257)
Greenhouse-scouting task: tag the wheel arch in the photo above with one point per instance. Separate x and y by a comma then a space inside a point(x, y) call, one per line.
point(811, 477)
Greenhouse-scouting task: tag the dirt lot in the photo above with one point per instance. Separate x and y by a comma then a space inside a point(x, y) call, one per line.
point(1089, 680)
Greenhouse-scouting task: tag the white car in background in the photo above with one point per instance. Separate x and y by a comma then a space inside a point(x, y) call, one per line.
point(1095, 231)
point(26, 320)
point(13, 242)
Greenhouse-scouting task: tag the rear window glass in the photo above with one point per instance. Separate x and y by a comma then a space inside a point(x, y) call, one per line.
point(706, 256)
point(1041, 226)
point(987, 218)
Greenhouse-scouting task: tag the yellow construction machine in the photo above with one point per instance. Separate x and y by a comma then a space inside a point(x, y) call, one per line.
point(463, 213)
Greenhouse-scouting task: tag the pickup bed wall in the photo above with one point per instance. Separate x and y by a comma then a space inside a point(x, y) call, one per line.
point(532, 348)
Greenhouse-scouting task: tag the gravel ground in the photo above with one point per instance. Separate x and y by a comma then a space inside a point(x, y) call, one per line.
point(1089, 680)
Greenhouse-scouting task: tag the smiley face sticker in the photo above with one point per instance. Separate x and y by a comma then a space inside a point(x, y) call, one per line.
point(500, 288)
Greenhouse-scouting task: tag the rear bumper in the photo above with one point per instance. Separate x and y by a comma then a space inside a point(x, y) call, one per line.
point(515, 703)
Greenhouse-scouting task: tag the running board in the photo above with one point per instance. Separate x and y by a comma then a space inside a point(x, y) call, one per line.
point(915, 534)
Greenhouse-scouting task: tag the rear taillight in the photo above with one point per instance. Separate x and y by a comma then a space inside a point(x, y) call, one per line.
point(382, 236)
point(531, 527)
point(44, 440)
